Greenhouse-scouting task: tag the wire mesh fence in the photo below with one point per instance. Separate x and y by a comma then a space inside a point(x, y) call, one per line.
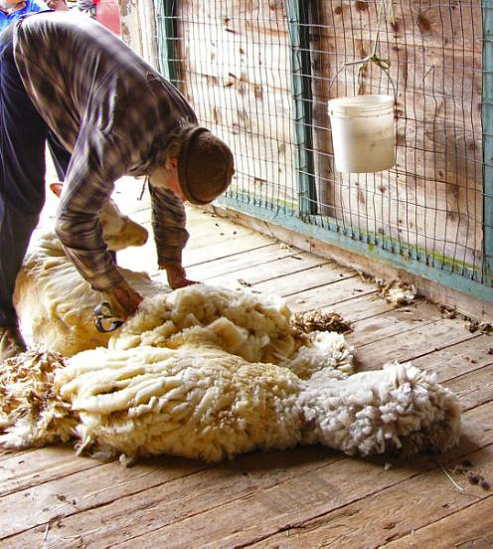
point(260, 74)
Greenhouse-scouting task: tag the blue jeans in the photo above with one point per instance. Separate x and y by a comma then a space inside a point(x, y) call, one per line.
point(23, 135)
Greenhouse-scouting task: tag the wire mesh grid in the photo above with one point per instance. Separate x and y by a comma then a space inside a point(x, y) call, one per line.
point(233, 66)
point(259, 74)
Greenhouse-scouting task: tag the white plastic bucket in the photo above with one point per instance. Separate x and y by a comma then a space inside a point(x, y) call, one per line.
point(363, 133)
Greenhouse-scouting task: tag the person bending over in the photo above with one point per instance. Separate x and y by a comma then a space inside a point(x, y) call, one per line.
point(116, 116)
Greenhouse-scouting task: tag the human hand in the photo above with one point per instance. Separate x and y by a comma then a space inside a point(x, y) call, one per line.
point(125, 298)
point(177, 277)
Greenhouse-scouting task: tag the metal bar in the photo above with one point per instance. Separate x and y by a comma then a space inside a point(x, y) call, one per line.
point(443, 276)
point(406, 251)
point(167, 36)
point(299, 33)
point(487, 120)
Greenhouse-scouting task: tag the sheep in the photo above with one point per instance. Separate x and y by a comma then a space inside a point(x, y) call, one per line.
point(210, 373)
point(54, 304)
point(200, 372)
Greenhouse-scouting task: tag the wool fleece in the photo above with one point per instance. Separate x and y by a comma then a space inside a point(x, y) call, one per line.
point(210, 373)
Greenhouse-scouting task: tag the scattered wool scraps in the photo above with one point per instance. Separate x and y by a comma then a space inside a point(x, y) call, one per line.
point(320, 321)
point(31, 412)
point(479, 326)
point(448, 312)
point(396, 292)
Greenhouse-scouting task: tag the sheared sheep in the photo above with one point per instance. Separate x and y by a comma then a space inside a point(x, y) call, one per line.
point(54, 304)
point(210, 373)
point(201, 372)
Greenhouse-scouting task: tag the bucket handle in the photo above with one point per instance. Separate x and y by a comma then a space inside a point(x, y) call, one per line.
point(386, 7)
point(384, 64)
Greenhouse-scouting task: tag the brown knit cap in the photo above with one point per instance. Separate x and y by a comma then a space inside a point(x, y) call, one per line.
point(205, 166)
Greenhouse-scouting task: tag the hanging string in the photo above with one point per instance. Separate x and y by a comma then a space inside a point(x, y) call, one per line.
point(146, 182)
point(385, 12)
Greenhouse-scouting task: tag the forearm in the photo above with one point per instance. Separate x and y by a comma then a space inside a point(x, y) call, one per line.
point(168, 223)
point(88, 253)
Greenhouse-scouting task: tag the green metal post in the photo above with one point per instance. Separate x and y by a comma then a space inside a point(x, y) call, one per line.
point(299, 33)
point(487, 119)
point(166, 28)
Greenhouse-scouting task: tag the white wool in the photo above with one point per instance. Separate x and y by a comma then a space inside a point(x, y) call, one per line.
point(209, 373)
point(254, 327)
point(56, 305)
point(377, 412)
point(195, 402)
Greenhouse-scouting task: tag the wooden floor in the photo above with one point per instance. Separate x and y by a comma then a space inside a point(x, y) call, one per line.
point(307, 497)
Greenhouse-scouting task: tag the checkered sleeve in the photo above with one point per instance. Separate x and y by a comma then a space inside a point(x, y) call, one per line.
point(108, 107)
point(168, 223)
point(98, 161)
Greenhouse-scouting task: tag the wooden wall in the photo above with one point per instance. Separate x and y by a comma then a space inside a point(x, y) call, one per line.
point(433, 198)
point(138, 28)
point(235, 68)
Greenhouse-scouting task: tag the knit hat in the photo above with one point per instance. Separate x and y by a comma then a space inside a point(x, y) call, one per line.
point(205, 166)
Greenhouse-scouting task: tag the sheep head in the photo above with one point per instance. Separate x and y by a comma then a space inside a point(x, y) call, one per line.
point(119, 231)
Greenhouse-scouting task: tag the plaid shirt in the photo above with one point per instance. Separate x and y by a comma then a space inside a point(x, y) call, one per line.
point(109, 108)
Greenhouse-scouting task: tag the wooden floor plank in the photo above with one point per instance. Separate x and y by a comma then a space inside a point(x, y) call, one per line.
point(260, 258)
point(260, 492)
point(7, 453)
point(469, 528)
point(473, 388)
point(306, 269)
point(193, 257)
point(70, 495)
point(458, 359)
point(361, 307)
point(167, 501)
point(329, 294)
point(413, 344)
point(394, 512)
point(206, 230)
point(322, 274)
point(266, 512)
point(203, 238)
point(392, 323)
point(23, 470)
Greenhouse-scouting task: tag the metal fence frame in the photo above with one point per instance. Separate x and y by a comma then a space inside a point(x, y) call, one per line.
point(297, 13)
point(487, 117)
